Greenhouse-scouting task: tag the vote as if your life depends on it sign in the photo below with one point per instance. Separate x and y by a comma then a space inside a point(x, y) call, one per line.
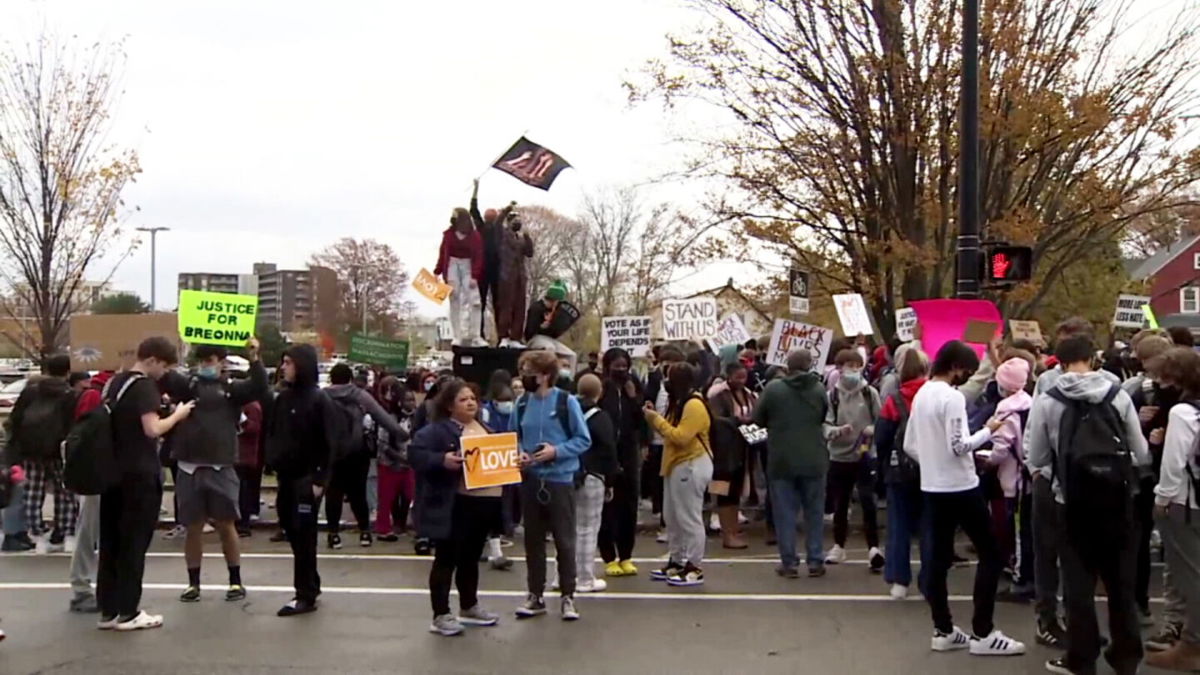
point(216, 318)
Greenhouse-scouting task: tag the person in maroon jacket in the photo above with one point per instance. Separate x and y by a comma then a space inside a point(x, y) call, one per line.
point(460, 264)
point(249, 465)
point(87, 531)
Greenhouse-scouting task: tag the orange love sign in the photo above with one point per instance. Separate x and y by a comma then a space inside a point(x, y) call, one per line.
point(430, 287)
point(491, 460)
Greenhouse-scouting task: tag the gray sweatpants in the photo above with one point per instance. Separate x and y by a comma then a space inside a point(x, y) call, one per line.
point(683, 509)
point(87, 538)
point(1181, 543)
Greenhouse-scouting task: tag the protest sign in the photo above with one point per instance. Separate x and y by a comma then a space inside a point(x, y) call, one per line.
point(798, 292)
point(789, 336)
point(946, 320)
point(1149, 314)
point(1129, 311)
point(906, 321)
point(692, 319)
point(631, 333)
point(490, 460)
point(979, 332)
point(110, 341)
point(753, 433)
point(216, 318)
point(852, 312)
point(431, 287)
point(1027, 330)
point(377, 352)
point(731, 331)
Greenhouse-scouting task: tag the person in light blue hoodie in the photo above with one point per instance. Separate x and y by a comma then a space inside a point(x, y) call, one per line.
point(553, 434)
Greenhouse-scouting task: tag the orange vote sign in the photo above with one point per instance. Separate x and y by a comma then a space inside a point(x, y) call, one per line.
point(491, 460)
point(430, 287)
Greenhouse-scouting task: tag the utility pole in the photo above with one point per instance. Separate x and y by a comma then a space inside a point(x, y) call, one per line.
point(968, 278)
point(153, 261)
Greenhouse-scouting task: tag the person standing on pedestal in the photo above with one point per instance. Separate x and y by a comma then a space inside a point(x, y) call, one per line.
point(490, 226)
point(460, 264)
point(513, 290)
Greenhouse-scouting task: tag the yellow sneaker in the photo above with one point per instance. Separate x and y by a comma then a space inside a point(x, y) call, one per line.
point(628, 568)
point(613, 569)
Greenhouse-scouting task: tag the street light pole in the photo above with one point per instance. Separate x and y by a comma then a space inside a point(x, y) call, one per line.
point(153, 261)
point(968, 278)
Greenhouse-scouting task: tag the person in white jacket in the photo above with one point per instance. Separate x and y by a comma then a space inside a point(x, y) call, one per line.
point(1175, 502)
point(937, 437)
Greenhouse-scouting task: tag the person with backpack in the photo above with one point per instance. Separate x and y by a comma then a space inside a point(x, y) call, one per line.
point(303, 428)
point(397, 481)
point(1085, 437)
point(353, 462)
point(553, 435)
point(206, 451)
point(853, 409)
point(687, 469)
point(622, 399)
point(937, 437)
point(129, 508)
point(902, 476)
point(87, 530)
point(36, 428)
point(1177, 504)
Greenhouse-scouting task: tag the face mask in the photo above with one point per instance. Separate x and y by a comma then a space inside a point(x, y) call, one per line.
point(428, 386)
point(530, 382)
point(504, 407)
point(209, 372)
point(564, 374)
point(852, 379)
point(620, 375)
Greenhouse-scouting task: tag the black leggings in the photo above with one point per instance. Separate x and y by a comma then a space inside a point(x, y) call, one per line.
point(457, 558)
point(349, 481)
point(844, 478)
point(618, 525)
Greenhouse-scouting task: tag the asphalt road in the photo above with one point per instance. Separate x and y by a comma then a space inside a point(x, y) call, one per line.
point(375, 614)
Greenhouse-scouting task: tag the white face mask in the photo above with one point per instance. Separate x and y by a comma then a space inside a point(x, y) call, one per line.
point(504, 407)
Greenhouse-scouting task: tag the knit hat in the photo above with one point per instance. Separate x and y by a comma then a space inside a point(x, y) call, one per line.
point(557, 291)
point(1013, 374)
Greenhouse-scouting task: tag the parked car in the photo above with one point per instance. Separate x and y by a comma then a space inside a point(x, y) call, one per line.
point(10, 392)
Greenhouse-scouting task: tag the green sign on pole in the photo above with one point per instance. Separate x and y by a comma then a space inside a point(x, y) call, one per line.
point(376, 352)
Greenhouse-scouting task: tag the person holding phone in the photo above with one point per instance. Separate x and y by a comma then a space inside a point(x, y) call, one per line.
point(1008, 459)
point(458, 520)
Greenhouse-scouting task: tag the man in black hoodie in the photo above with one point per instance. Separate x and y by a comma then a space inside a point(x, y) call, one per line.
point(622, 399)
point(300, 448)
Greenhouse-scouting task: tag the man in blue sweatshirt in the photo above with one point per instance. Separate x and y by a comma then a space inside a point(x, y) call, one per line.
point(553, 434)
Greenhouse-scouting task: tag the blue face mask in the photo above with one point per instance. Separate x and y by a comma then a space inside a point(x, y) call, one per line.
point(209, 372)
point(852, 379)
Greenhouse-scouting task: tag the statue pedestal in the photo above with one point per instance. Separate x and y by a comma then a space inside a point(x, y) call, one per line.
point(476, 364)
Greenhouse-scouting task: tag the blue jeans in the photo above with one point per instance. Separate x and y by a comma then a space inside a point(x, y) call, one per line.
point(14, 513)
point(907, 518)
point(789, 496)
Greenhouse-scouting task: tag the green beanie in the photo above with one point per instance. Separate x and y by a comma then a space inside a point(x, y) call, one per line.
point(557, 290)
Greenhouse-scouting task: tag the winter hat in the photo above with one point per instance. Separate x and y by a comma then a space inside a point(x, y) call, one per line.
point(557, 291)
point(1013, 374)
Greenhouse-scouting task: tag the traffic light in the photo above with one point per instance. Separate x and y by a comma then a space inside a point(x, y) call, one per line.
point(1009, 264)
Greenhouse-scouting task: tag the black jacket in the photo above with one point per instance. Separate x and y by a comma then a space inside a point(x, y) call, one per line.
point(209, 434)
point(600, 459)
point(437, 486)
point(40, 440)
point(301, 424)
point(629, 423)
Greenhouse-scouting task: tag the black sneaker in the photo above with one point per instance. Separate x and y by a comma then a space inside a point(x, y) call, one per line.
point(192, 594)
point(297, 607)
point(244, 533)
point(17, 543)
point(533, 606)
point(1059, 666)
point(1165, 638)
point(787, 572)
point(365, 540)
point(1052, 635)
point(389, 538)
point(335, 541)
point(278, 537)
point(236, 593)
point(666, 571)
point(423, 546)
point(688, 576)
point(815, 571)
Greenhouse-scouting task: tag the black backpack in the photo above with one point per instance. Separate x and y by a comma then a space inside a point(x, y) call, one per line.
point(91, 465)
point(348, 426)
point(45, 423)
point(901, 467)
point(1094, 468)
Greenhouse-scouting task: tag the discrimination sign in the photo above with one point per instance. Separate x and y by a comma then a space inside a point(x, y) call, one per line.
point(631, 333)
point(789, 336)
point(210, 318)
point(392, 354)
point(490, 461)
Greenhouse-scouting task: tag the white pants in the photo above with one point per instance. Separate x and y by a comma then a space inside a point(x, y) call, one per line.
point(465, 304)
point(683, 509)
point(87, 538)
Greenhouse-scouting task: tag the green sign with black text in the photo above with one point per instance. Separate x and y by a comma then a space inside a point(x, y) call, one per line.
point(392, 354)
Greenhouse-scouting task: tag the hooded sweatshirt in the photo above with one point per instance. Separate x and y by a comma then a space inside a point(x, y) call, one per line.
point(1041, 438)
point(370, 407)
point(209, 436)
point(1007, 453)
point(793, 410)
point(857, 406)
point(301, 424)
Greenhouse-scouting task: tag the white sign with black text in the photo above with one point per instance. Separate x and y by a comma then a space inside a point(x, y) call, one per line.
point(631, 333)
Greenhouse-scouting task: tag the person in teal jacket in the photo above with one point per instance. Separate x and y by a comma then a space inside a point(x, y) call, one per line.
point(553, 434)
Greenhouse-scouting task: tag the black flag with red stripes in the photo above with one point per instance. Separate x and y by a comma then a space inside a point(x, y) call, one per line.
point(531, 164)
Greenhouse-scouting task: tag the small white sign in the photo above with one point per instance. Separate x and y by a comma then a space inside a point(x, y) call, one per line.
point(731, 331)
point(906, 321)
point(1129, 312)
point(852, 312)
point(798, 306)
point(631, 333)
point(691, 319)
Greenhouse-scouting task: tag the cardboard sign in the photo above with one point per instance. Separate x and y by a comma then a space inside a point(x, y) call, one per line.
point(392, 354)
point(429, 286)
point(852, 312)
point(979, 332)
point(906, 321)
point(693, 319)
point(789, 336)
point(110, 341)
point(1027, 330)
point(631, 333)
point(945, 320)
point(491, 460)
point(1129, 312)
point(731, 331)
point(216, 318)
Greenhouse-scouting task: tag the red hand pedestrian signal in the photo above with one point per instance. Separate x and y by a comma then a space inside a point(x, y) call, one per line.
point(1009, 264)
point(1000, 265)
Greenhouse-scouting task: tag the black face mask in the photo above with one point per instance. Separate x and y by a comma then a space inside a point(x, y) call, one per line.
point(530, 382)
point(960, 379)
point(619, 375)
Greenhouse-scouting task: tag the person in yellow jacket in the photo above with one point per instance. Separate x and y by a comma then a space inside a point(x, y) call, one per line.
point(687, 469)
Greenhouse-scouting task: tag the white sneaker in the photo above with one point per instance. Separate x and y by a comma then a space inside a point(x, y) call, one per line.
point(446, 624)
point(876, 560)
point(597, 586)
point(996, 644)
point(661, 537)
point(714, 523)
point(899, 591)
point(742, 519)
point(953, 642)
point(175, 532)
point(51, 547)
point(479, 342)
point(208, 528)
point(142, 621)
point(836, 555)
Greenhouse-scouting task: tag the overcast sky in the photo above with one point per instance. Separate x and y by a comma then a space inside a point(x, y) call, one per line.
point(266, 130)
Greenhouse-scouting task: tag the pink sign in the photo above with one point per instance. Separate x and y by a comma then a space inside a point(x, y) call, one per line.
point(945, 320)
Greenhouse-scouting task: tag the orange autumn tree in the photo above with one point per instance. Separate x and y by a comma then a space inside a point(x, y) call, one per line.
point(837, 137)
